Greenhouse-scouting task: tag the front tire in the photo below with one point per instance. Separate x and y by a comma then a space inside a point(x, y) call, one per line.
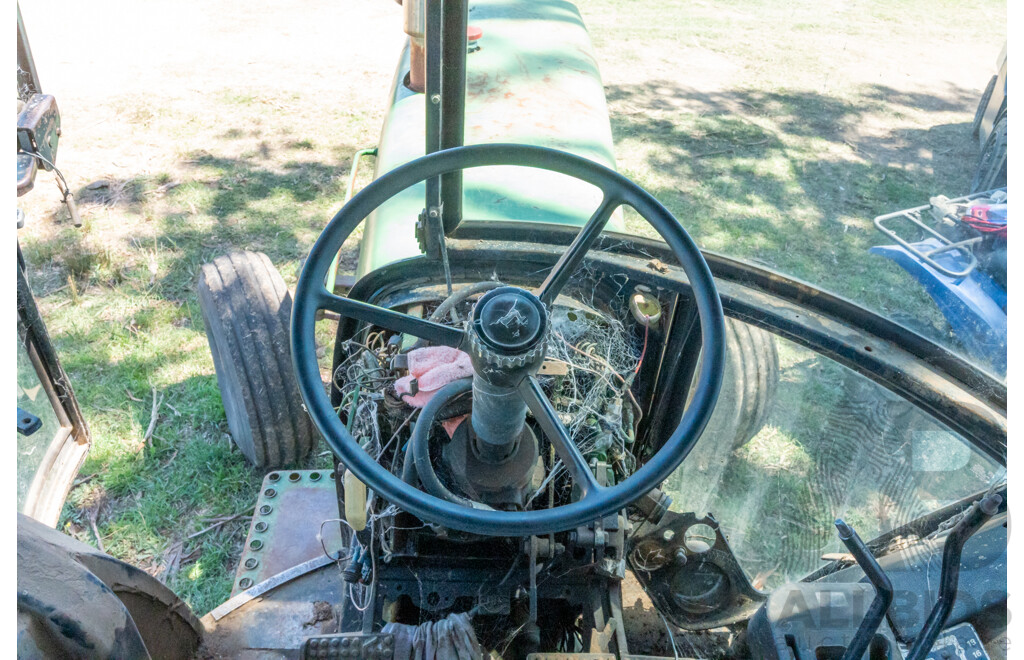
point(246, 310)
point(752, 376)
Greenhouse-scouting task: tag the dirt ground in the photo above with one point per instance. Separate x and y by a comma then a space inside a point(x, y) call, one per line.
point(340, 53)
point(344, 53)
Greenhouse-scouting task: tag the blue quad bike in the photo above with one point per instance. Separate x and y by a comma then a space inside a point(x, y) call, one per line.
point(960, 260)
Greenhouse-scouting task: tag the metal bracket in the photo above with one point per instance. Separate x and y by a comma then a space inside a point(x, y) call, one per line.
point(430, 236)
point(39, 128)
point(697, 584)
point(28, 423)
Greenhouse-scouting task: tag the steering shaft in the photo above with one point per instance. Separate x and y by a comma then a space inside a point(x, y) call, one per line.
point(507, 339)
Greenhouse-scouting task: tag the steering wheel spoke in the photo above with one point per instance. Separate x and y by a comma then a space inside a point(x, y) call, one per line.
point(556, 432)
point(573, 255)
point(435, 333)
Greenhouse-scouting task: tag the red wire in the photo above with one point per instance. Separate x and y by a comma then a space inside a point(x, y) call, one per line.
point(647, 328)
point(982, 225)
point(1001, 229)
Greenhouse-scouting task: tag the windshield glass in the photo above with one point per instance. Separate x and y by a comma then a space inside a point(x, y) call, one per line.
point(829, 444)
point(782, 151)
point(37, 423)
point(899, 287)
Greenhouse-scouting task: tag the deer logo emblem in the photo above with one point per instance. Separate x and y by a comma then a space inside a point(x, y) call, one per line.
point(513, 320)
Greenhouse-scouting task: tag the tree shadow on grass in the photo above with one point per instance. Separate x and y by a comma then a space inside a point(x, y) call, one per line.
point(238, 203)
point(274, 198)
point(159, 492)
point(133, 323)
point(792, 179)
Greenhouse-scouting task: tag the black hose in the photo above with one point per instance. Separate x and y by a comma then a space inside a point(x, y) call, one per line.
point(949, 579)
point(455, 406)
point(449, 303)
point(883, 591)
point(462, 294)
point(417, 454)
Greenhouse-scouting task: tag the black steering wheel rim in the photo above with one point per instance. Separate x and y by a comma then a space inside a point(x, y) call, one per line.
point(311, 295)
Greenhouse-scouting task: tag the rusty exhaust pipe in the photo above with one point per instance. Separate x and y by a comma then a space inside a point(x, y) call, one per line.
point(415, 25)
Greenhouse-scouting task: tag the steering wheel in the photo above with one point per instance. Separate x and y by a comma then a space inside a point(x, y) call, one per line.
point(596, 501)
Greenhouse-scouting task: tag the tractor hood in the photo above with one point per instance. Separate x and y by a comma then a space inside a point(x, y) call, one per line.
point(534, 80)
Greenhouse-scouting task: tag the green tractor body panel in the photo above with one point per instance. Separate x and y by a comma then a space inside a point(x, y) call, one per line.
point(533, 81)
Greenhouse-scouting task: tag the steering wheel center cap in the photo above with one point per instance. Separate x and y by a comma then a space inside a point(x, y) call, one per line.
point(509, 320)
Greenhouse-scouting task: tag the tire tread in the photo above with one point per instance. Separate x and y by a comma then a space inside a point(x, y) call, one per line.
point(246, 309)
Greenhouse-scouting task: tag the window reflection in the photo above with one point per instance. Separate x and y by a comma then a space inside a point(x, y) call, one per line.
point(832, 444)
point(32, 398)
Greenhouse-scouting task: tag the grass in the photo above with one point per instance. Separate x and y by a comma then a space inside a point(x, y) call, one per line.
point(776, 131)
point(119, 299)
point(766, 145)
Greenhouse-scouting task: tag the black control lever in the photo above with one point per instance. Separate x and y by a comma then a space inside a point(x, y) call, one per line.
point(949, 580)
point(883, 591)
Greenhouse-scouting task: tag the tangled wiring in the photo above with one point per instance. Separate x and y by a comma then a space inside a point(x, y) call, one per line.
point(596, 359)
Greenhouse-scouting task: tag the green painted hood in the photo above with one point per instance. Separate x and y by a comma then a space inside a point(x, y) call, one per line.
point(534, 81)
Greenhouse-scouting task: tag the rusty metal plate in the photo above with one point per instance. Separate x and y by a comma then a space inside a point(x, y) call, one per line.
point(278, 622)
point(286, 525)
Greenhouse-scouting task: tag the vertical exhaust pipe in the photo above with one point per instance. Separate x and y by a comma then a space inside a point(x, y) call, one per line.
point(414, 23)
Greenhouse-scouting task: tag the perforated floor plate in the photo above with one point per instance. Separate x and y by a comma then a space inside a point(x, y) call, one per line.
point(292, 507)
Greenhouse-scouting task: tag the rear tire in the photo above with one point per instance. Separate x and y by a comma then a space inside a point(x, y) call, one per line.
point(77, 602)
point(246, 310)
point(749, 381)
point(991, 170)
point(751, 378)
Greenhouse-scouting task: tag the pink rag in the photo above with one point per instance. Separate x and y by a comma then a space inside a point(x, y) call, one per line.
point(433, 367)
